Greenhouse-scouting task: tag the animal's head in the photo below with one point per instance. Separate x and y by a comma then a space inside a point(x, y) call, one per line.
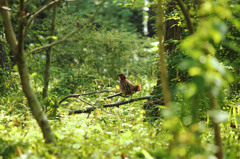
point(121, 76)
point(138, 88)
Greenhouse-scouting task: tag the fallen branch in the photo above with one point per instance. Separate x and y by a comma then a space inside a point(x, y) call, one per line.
point(118, 94)
point(89, 93)
point(90, 109)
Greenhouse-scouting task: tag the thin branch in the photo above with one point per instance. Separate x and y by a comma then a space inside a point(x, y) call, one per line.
point(89, 93)
point(161, 52)
point(107, 111)
point(94, 106)
point(70, 34)
point(48, 55)
point(111, 96)
point(186, 15)
point(90, 109)
point(103, 91)
point(38, 12)
point(86, 102)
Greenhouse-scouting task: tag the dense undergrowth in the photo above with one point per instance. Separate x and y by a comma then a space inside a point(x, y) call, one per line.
point(122, 132)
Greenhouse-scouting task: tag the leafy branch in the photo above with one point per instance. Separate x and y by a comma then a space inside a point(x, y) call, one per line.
point(70, 34)
point(32, 17)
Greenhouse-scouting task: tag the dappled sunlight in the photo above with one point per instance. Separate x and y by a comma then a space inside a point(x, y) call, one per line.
point(119, 79)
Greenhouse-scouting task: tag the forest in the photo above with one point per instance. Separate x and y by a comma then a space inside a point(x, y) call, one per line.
point(120, 79)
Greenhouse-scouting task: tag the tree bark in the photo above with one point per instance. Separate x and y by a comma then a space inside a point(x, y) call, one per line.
point(48, 56)
point(17, 48)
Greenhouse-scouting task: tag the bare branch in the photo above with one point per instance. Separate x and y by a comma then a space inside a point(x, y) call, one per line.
point(94, 106)
point(118, 94)
point(86, 102)
point(107, 111)
point(90, 109)
point(32, 17)
point(70, 34)
point(89, 93)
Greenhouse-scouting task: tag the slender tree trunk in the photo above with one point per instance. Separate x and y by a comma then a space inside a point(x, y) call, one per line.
point(217, 131)
point(145, 18)
point(48, 56)
point(8, 29)
point(186, 15)
point(173, 32)
point(17, 48)
point(163, 66)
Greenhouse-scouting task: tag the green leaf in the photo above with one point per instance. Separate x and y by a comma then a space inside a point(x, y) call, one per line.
point(52, 37)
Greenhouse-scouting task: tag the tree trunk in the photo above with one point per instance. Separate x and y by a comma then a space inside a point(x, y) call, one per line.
point(217, 131)
point(48, 56)
point(173, 31)
point(17, 48)
point(163, 65)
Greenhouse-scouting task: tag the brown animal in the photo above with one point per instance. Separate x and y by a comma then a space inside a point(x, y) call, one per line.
point(126, 87)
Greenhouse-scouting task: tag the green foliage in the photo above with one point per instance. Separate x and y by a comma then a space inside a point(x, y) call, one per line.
point(98, 54)
point(114, 15)
point(92, 59)
point(208, 75)
point(8, 81)
point(104, 135)
point(105, 53)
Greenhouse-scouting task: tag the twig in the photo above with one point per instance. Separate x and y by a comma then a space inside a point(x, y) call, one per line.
point(94, 106)
point(90, 109)
point(89, 93)
point(37, 13)
point(107, 111)
point(86, 102)
point(118, 94)
point(70, 34)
